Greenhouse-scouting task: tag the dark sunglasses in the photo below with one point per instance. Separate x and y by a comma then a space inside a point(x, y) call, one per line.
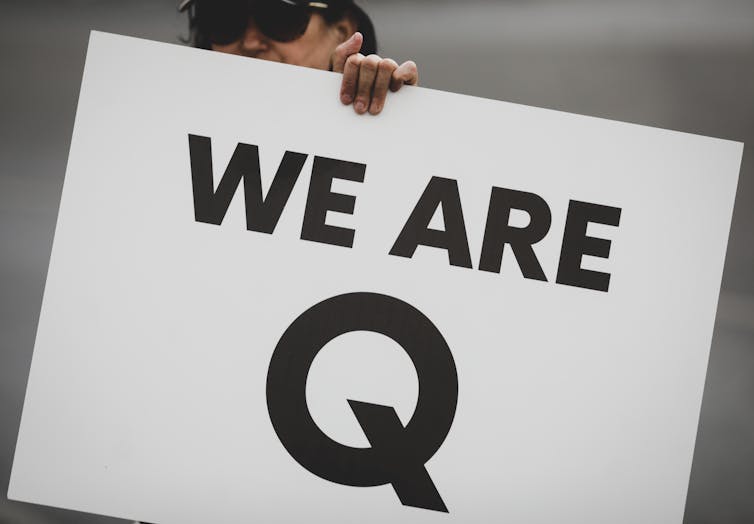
point(225, 21)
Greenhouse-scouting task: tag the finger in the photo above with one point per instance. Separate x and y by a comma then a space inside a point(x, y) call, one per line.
point(350, 78)
point(381, 84)
point(346, 49)
point(367, 74)
point(407, 73)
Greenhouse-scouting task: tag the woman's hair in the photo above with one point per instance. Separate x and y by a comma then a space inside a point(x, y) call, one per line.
point(336, 11)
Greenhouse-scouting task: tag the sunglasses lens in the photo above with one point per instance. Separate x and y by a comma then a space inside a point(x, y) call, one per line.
point(281, 21)
point(224, 21)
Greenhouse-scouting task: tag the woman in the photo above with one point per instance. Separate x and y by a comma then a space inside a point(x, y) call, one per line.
point(333, 35)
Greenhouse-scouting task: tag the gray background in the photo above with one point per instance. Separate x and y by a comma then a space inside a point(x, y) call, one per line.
point(684, 65)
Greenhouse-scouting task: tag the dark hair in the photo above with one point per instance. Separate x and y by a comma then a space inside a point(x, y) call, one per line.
point(336, 11)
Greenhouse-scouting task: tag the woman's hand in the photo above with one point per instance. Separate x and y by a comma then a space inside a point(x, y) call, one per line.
point(366, 79)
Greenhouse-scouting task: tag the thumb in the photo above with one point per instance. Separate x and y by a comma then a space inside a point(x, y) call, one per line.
point(346, 49)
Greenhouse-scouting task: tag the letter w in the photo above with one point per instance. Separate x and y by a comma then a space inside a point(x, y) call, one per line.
point(262, 214)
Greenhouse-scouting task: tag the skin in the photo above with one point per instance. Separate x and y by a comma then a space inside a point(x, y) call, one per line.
point(366, 79)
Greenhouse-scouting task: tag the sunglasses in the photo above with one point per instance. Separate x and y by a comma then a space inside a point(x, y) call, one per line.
point(225, 21)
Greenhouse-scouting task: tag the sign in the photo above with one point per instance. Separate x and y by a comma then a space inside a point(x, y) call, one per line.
point(262, 307)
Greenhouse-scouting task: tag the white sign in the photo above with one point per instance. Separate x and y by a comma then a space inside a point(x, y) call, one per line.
point(262, 307)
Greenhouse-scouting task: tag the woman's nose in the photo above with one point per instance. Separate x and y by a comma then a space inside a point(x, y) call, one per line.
point(253, 41)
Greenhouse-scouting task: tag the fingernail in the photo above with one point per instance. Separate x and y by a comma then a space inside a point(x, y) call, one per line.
point(346, 99)
point(360, 107)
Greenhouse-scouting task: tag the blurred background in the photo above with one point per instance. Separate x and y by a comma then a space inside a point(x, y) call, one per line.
point(686, 65)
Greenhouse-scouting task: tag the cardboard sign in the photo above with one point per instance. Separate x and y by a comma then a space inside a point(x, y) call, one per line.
point(262, 307)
